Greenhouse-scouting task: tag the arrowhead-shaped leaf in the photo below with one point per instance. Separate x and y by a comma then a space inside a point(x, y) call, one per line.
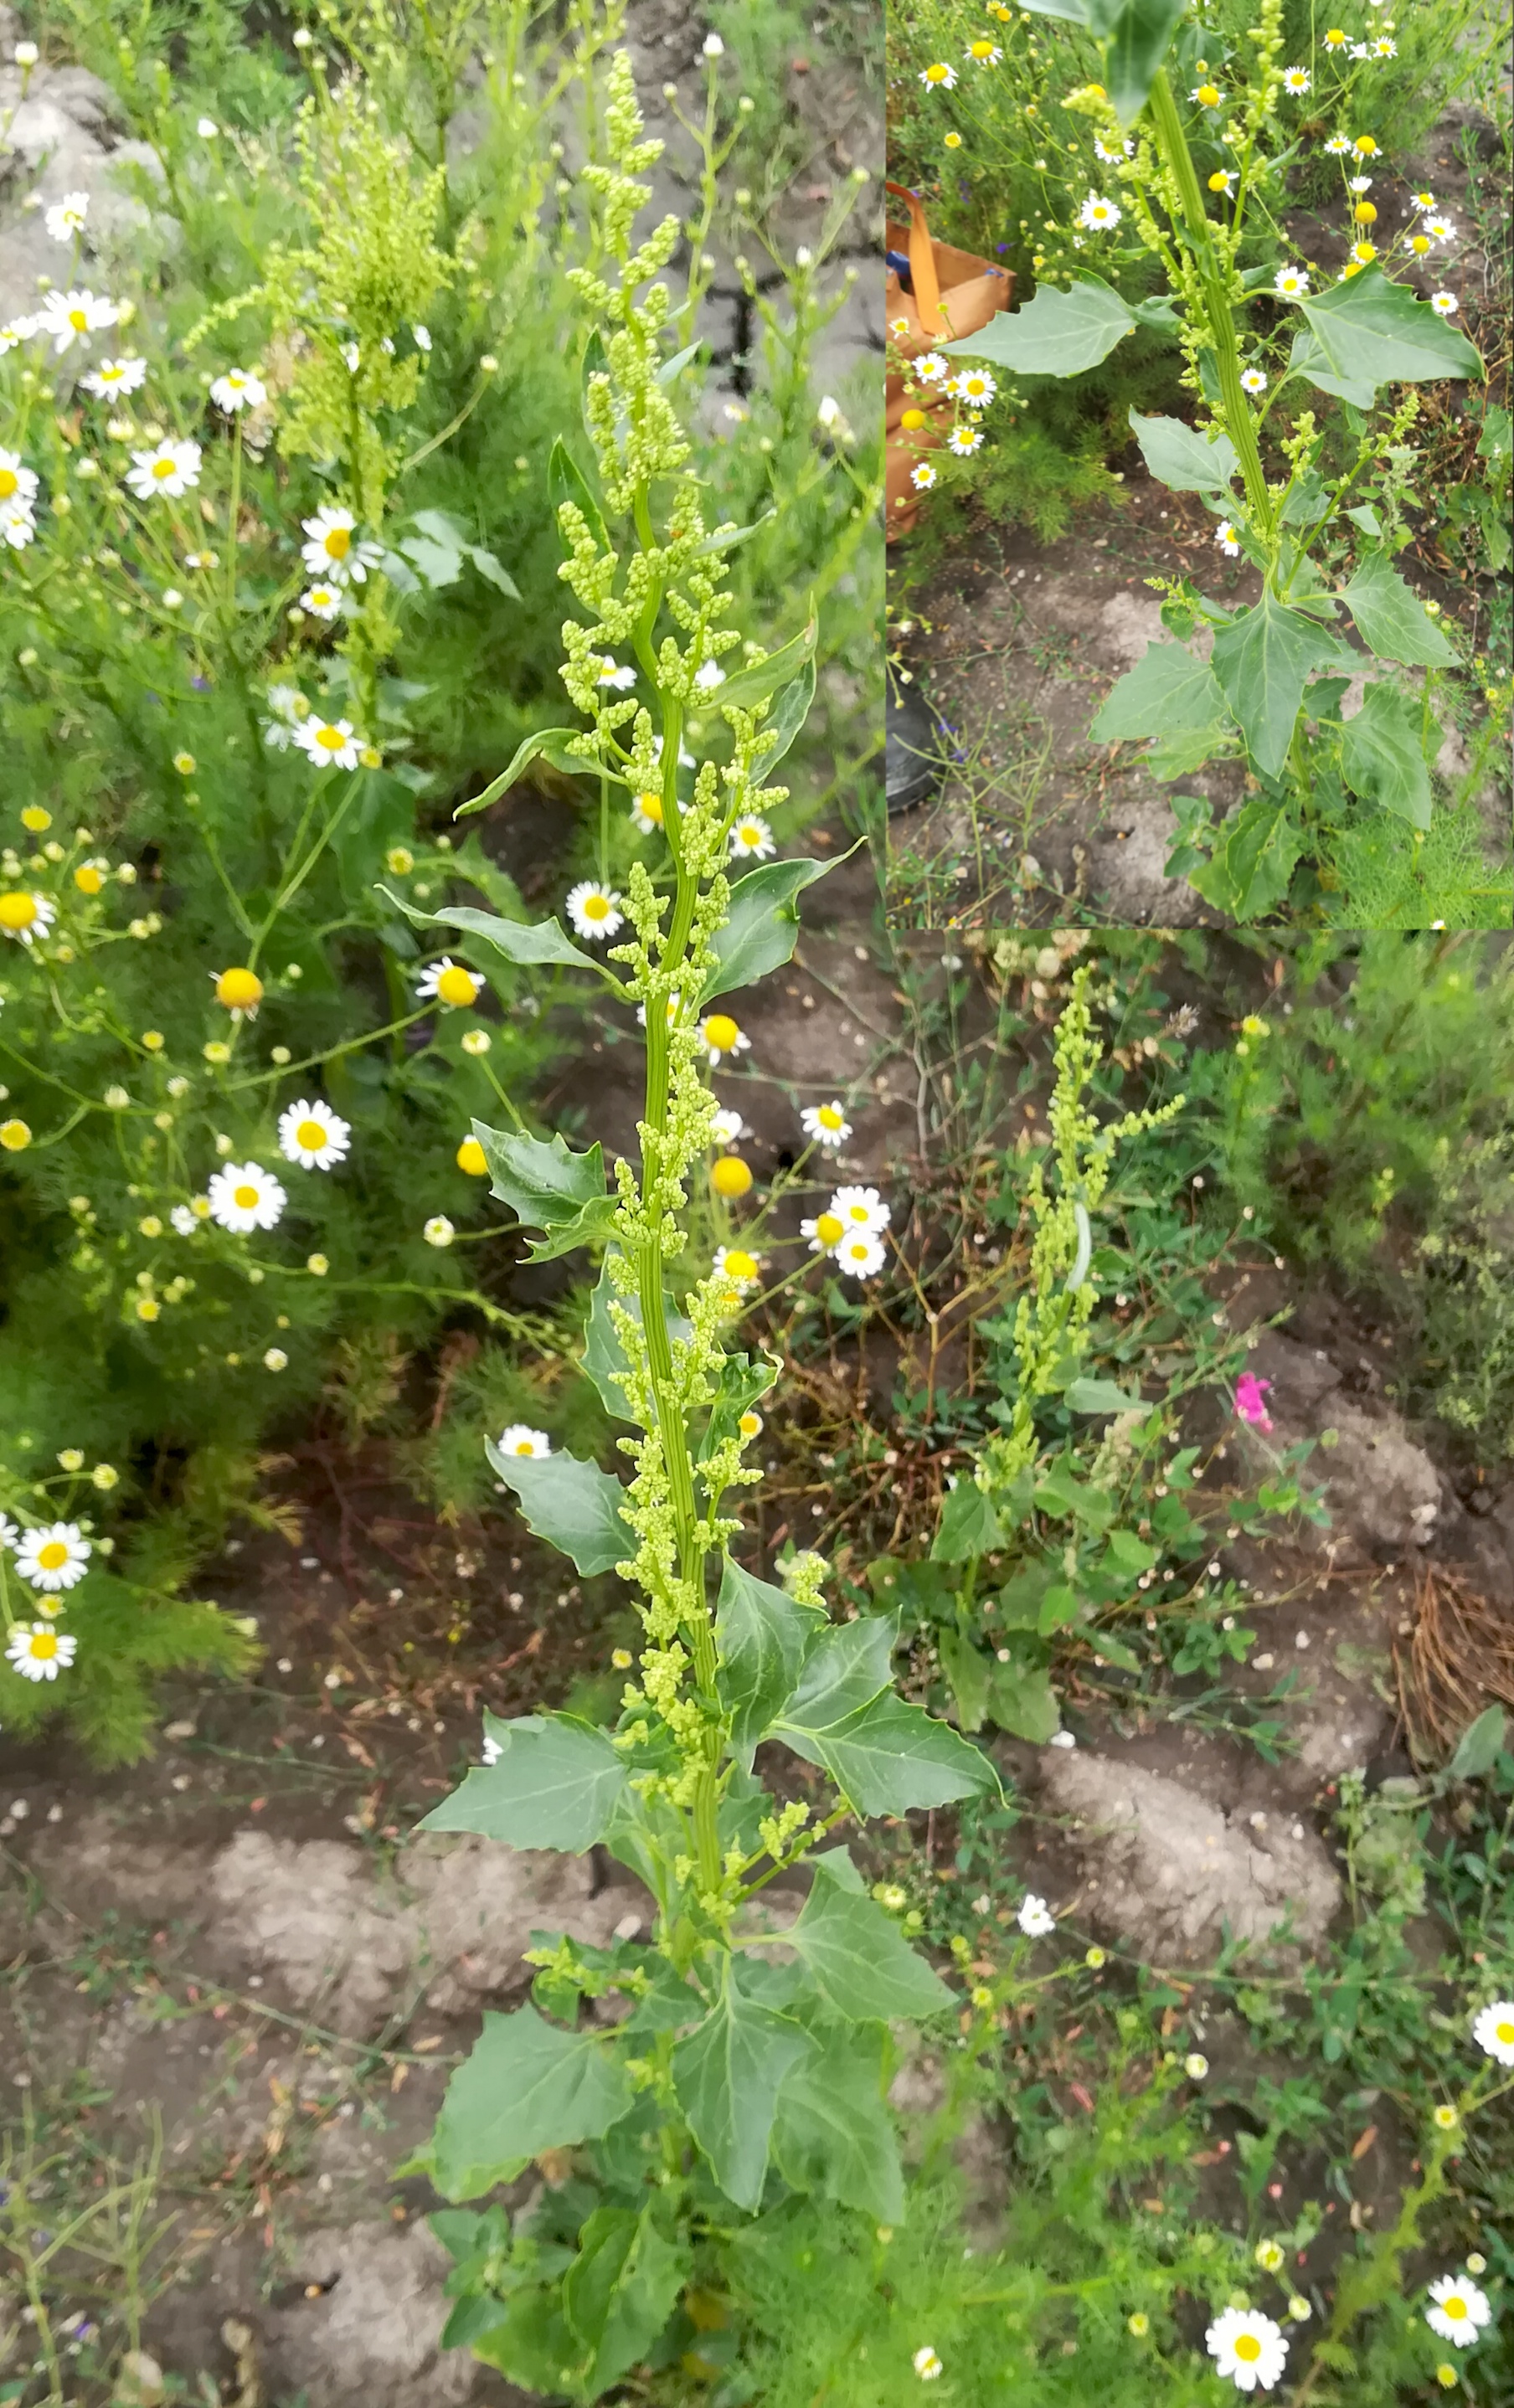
point(551, 1188)
point(727, 2074)
point(969, 1525)
point(1382, 758)
point(762, 926)
point(761, 1637)
point(849, 1664)
point(1181, 457)
point(834, 2133)
point(1166, 691)
point(858, 1960)
point(575, 1505)
point(1393, 619)
point(1372, 332)
point(1055, 334)
point(1252, 869)
point(1262, 660)
point(886, 1757)
point(555, 1784)
point(1100, 1396)
point(749, 685)
point(528, 2085)
point(533, 941)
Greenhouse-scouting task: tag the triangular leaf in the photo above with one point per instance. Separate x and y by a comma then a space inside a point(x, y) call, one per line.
point(1263, 661)
point(1057, 334)
point(534, 941)
point(573, 1505)
point(1167, 690)
point(1382, 758)
point(1181, 457)
point(762, 924)
point(744, 687)
point(1373, 331)
point(555, 1784)
point(1393, 620)
point(860, 1960)
point(727, 2074)
point(834, 2133)
point(761, 1637)
point(527, 2087)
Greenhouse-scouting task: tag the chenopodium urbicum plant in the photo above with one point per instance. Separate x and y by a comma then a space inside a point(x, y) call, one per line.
point(698, 2077)
point(1340, 820)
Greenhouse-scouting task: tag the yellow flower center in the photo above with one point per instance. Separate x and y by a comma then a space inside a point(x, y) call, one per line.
point(651, 808)
point(1504, 2032)
point(312, 1135)
point(162, 468)
point(827, 1228)
point(935, 74)
point(523, 1446)
point(1248, 2349)
point(330, 740)
point(88, 879)
point(1219, 181)
point(240, 990)
point(750, 1425)
point(1209, 94)
point(43, 1645)
point(1366, 213)
point(741, 1265)
point(15, 1135)
point(731, 1176)
point(9, 483)
point(337, 543)
point(1335, 38)
point(17, 910)
point(721, 1031)
point(596, 907)
point(470, 1158)
point(79, 321)
point(1455, 2307)
point(54, 1556)
point(913, 419)
point(244, 1197)
point(1420, 242)
point(828, 1117)
point(983, 50)
point(1366, 146)
point(456, 986)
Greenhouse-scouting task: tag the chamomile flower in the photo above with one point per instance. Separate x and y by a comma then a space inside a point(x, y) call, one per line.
point(1365, 146)
point(1458, 2310)
point(750, 838)
point(741, 1270)
point(183, 1220)
point(66, 219)
point(1291, 283)
point(1253, 380)
point(24, 916)
point(245, 1196)
point(975, 386)
point(826, 1124)
point(620, 676)
point(312, 1135)
point(1337, 147)
point(939, 76)
point(323, 602)
point(1195, 2066)
point(18, 483)
point(860, 1255)
point(331, 743)
point(646, 814)
point(115, 376)
point(1269, 2255)
point(15, 331)
point(1443, 304)
point(1035, 1917)
point(964, 442)
point(1335, 40)
point(984, 54)
point(1440, 229)
point(1100, 214)
point(170, 469)
point(1296, 80)
point(922, 477)
point(1363, 253)
point(519, 1438)
point(1112, 158)
point(1208, 95)
point(594, 910)
point(727, 1129)
point(1247, 2349)
point(54, 1556)
point(1384, 48)
point(826, 1232)
point(861, 1208)
point(929, 368)
point(721, 1038)
point(1226, 538)
point(439, 1230)
point(1223, 181)
point(71, 318)
point(926, 2363)
point(18, 528)
point(447, 981)
point(1423, 200)
point(1494, 2031)
point(288, 707)
point(1359, 183)
point(39, 1653)
point(332, 552)
point(238, 389)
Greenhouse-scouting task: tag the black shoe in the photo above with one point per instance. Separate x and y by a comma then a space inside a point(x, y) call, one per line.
point(913, 767)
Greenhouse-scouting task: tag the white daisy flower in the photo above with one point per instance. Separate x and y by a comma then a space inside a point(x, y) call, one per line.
point(1112, 158)
point(594, 910)
point(929, 368)
point(860, 1255)
point(1247, 2349)
point(332, 744)
point(1443, 304)
point(70, 318)
point(1494, 2031)
point(938, 77)
point(926, 2363)
point(1423, 200)
point(331, 551)
point(1337, 147)
point(742, 1268)
point(708, 676)
point(611, 673)
point(238, 389)
point(727, 1129)
point(1459, 2310)
point(24, 916)
point(115, 376)
point(490, 1750)
point(322, 602)
point(183, 1220)
point(1225, 537)
point(827, 1124)
point(447, 981)
point(984, 54)
point(170, 469)
point(1359, 51)
point(519, 1438)
point(1384, 49)
point(721, 1038)
point(1359, 183)
point(646, 814)
point(750, 838)
point(923, 477)
point(861, 1208)
point(1441, 228)
point(1253, 380)
point(1099, 213)
point(15, 331)
point(66, 217)
point(1296, 80)
point(964, 442)
point(439, 1230)
point(825, 1232)
point(1035, 1917)
point(17, 525)
point(1292, 282)
point(1208, 95)
point(54, 1556)
point(18, 483)
point(312, 1135)
point(245, 1196)
point(39, 1653)
point(10, 1532)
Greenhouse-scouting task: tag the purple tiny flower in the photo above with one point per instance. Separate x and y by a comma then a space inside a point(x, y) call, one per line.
point(200, 685)
point(1249, 1400)
point(1000, 245)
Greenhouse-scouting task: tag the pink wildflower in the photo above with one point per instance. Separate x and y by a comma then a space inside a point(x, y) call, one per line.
point(1249, 1401)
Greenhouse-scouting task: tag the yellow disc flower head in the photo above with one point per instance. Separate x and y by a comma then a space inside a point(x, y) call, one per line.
point(238, 990)
point(730, 1177)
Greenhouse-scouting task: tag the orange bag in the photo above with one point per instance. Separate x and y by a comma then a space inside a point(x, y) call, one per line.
point(954, 294)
